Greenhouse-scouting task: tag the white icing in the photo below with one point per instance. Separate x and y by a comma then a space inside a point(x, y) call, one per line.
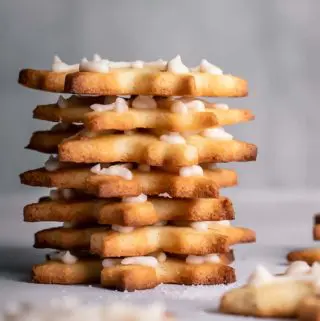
point(194, 170)
point(315, 268)
point(179, 107)
point(144, 102)
point(114, 170)
point(196, 259)
point(52, 164)
point(260, 276)
point(221, 106)
point(144, 168)
point(95, 65)
point(106, 263)
point(64, 256)
point(196, 105)
point(140, 260)
point(59, 66)
point(176, 66)
point(206, 66)
point(297, 267)
point(205, 225)
point(165, 195)
point(62, 102)
point(157, 64)
point(173, 138)
point(135, 199)
point(138, 64)
point(120, 105)
point(161, 257)
point(200, 226)
point(122, 229)
point(216, 133)
point(60, 127)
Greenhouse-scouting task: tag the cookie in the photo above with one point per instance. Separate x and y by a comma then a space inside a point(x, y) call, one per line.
point(42, 79)
point(47, 141)
point(149, 149)
point(172, 271)
point(65, 238)
point(308, 255)
point(266, 295)
point(316, 227)
point(77, 110)
point(171, 239)
point(156, 83)
point(154, 182)
point(309, 308)
point(153, 211)
point(83, 271)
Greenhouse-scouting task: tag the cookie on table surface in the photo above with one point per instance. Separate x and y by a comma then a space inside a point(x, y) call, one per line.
point(171, 271)
point(154, 182)
point(149, 212)
point(68, 269)
point(175, 115)
point(267, 295)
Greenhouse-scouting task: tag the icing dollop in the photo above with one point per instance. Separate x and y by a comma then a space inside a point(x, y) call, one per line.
point(97, 64)
point(176, 66)
point(135, 199)
point(221, 106)
point(140, 260)
point(59, 66)
point(52, 164)
point(144, 102)
point(64, 256)
point(197, 259)
point(297, 268)
point(173, 138)
point(194, 170)
point(206, 66)
point(120, 105)
point(260, 276)
point(122, 229)
point(216, 133)
point(113, 170)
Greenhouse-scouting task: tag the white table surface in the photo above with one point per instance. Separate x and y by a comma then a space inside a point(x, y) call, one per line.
point(282, 220)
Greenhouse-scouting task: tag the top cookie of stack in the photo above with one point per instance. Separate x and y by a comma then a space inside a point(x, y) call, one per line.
point(164, 148)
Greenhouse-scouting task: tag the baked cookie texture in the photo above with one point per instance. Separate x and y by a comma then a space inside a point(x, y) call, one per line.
point(138, 192)
point(160, 118)
point(276, 296)
point(148, 149)
point(149, 183)
point(172, 271)
point(110, 211)
point(309, 309)
point(84, 271)
point(178, 240)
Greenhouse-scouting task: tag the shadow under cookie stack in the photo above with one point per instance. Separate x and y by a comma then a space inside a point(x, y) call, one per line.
point(136, 183)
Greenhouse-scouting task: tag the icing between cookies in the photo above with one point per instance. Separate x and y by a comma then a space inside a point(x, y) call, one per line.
point(183, 107)
point(135, 199)
point(196, 259)
point(134, 260)
point(144, 102)
point(113, 170)
point(194, 170)
point(205, 225)
point(221, 106)
point(62, 102)
point(64, 256)
point(52, 164)
point(122, 229)
point(62, 193)
point(216, 133)
point(120, 105)
point(173, 138)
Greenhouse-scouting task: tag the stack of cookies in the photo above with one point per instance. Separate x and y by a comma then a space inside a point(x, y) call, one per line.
point(134, 167)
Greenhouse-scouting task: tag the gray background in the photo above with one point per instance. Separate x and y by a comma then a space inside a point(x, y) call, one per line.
point(273, 44)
